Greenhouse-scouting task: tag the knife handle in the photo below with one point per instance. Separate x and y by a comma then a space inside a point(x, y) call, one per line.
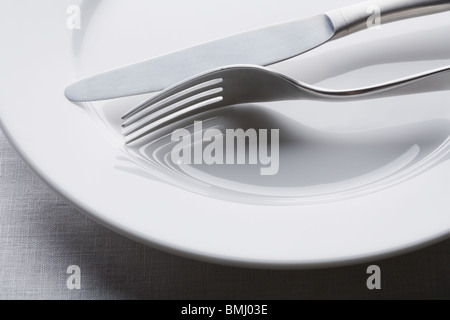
point(360, 16)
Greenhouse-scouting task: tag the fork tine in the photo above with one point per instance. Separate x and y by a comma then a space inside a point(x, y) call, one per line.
point(171, 118)
point(170, 109)
point(171, 98)
point(169, 95)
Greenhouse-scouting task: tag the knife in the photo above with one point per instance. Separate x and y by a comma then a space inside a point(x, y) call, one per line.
point(260, 47)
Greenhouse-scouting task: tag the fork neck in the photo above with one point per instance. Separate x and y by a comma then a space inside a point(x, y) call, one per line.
point(430, 81)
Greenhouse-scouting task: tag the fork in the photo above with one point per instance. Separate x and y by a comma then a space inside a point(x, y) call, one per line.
point(240, 84)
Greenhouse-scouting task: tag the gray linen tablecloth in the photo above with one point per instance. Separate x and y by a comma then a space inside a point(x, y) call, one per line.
point(41, 235)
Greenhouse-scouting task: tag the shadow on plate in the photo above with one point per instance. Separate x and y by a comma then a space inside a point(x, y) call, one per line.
point(313, 165)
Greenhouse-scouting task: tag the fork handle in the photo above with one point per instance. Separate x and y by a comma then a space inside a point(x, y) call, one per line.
point(361, 16)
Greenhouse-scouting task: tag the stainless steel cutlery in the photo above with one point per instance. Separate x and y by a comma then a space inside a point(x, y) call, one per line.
point(260, 47)
point(246, 84)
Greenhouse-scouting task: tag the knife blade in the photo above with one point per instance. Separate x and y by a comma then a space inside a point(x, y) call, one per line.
point(260, 47)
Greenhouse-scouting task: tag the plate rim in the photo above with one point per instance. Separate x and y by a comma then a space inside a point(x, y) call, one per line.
point(208, 258)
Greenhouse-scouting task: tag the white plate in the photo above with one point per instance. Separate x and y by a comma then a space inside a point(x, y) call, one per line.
point(373, 183)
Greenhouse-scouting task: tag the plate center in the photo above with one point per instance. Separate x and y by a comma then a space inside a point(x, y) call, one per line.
point(326, 151)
